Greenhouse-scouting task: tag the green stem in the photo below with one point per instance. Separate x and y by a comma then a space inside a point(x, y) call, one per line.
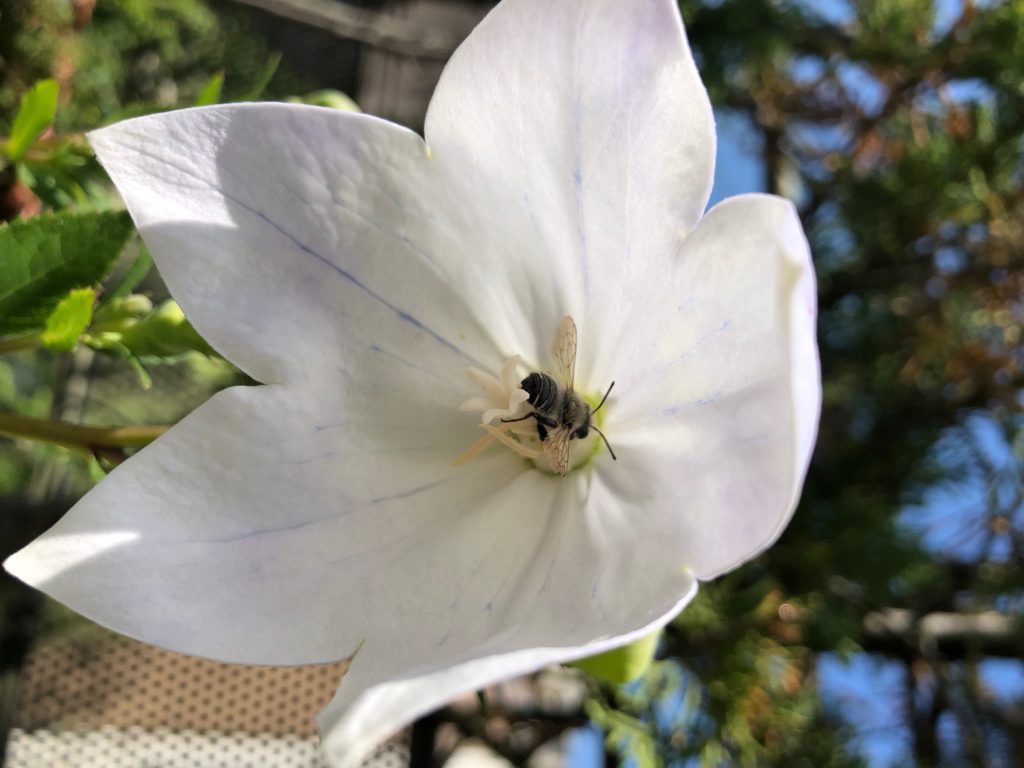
point(18, 343)
point(77, 436)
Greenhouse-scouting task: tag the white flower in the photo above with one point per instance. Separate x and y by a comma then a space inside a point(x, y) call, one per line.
point(357, 270)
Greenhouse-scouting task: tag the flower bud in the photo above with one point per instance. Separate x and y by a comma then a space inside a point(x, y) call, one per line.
point(621, 665)
point(119, 314)
point(164, 333)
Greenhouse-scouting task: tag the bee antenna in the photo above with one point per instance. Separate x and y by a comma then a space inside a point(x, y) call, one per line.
point(602, 402)
point(614, 457)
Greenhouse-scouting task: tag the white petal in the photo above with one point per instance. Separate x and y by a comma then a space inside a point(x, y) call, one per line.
point(252, 533)
point(568, 549)
point(579, 135)
point(269, 527)
point(291, 234)
point(256, 532)
point(351, 726)
point(716, 403)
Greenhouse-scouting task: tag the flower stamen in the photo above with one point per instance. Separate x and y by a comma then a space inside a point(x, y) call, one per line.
point(473, 451)
point(561, 418)
point(504, 401)
point(493, 433)
point(501, 436)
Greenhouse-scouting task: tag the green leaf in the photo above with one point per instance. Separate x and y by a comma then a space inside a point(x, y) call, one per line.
point(68, 321)
point(35, 115)
point(134, 275)
point(264, 79)
point(326, 98)
point(43, 258)
point(620, 665)
point(145, 380)
point(111, 344)
point(211, 91)
point(626, 735)
point(96, 470)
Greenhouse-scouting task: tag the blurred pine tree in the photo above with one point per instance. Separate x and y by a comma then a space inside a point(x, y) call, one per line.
point(897, 129)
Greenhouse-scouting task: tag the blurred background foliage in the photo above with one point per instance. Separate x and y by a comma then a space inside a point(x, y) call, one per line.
point(884, 628)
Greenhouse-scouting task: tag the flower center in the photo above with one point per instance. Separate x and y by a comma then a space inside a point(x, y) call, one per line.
point(541, 416)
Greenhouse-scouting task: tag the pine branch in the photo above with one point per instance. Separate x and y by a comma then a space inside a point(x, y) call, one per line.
point(898, 632)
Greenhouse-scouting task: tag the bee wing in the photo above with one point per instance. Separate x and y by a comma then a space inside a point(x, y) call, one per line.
point(556, 448)
point(563, 351)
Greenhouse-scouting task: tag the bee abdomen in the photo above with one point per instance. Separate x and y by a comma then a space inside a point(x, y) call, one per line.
point(542, 391)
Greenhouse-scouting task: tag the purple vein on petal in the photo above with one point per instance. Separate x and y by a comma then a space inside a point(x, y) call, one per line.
point(708, 400)
point(366, 220)
point(403, 361)
point(402, 314)
point(544, 542)
point(264, 531)
point(578, 161)
point(318, 521)
point(415, 532)
point(405, 316)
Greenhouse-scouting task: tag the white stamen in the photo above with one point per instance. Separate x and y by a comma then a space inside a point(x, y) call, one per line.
point(508, 442)
point(501, 399)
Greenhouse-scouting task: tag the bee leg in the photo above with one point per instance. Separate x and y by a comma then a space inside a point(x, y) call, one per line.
point(521, 418)
point(542, 432)
point(544, 420)
point(549, 423)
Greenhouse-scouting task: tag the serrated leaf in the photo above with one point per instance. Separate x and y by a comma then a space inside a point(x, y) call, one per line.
point(68, 321)
point(211, 91)
point(35, 114)
point(43, 258)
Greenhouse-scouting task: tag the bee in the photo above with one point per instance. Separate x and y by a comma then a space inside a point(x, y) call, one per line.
point(560, 413)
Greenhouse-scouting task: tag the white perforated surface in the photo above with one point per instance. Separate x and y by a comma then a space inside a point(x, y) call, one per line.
point(98, 700)
point(111, 747)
